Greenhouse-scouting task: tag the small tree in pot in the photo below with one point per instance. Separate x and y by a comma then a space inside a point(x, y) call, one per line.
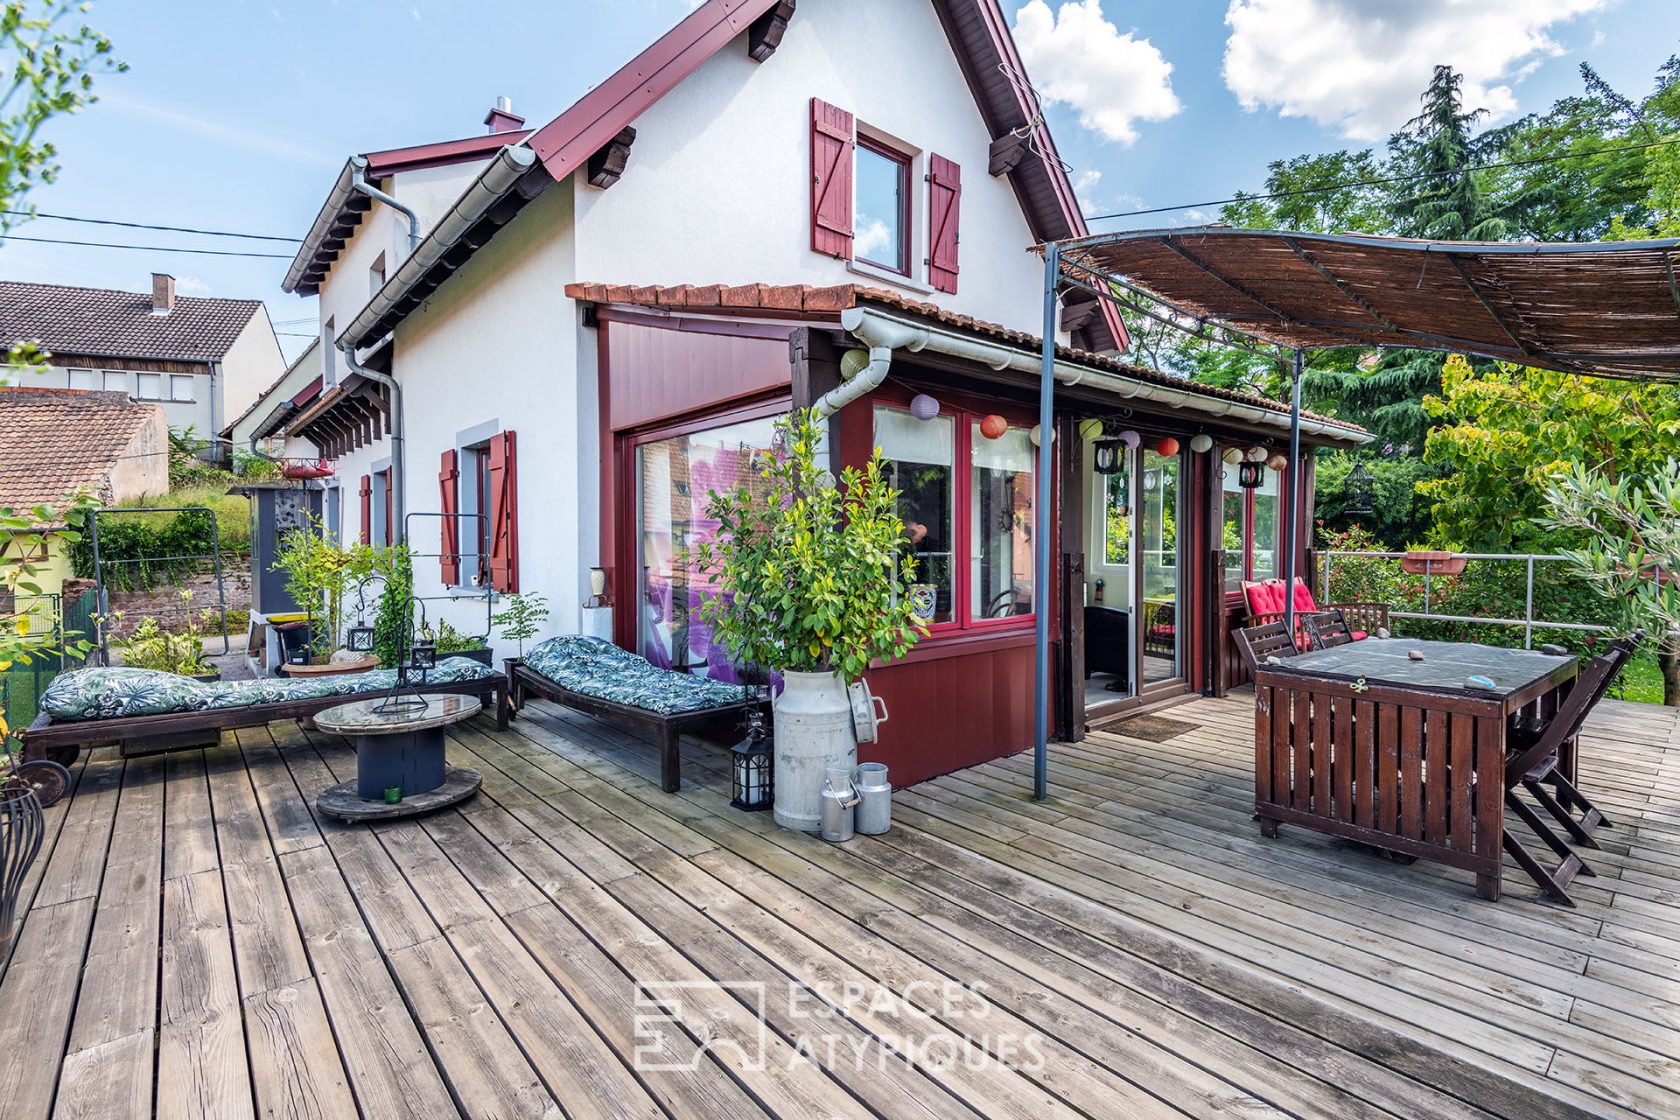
point(812, 581)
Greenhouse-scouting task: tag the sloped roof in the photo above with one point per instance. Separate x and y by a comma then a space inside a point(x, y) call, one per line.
point(977, 34)
point(827, 302)
point(105, 323)
point(55, 442)
point(311, 357)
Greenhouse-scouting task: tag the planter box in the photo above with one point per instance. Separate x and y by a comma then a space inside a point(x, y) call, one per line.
point(1424, 562)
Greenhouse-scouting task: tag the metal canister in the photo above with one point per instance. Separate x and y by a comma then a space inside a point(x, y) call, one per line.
point(873, 815)
point(839, 800)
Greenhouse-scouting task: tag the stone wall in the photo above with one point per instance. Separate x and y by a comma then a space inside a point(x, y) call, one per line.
point(163, 602)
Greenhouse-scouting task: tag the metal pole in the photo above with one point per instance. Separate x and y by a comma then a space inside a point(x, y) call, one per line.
point(1042, 525)
point(1294, 504)
point(1528, 613)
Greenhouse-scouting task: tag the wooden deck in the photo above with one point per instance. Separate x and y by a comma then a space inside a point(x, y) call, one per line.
point(199, 944)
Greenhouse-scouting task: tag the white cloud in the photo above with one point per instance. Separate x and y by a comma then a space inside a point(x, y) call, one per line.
point(191, 286)
point(255, 140)
point(1358, 66)
point(1085, 189)
point(1078, 58)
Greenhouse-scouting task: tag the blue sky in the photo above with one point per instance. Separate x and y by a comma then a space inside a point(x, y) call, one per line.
point(235, 115)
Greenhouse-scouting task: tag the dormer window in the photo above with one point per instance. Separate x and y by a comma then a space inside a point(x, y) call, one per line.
point(881, 217)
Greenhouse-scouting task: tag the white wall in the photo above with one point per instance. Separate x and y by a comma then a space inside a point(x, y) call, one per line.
point(176, 414)
point(498, 345)
point(250, 366)
point(718, 185)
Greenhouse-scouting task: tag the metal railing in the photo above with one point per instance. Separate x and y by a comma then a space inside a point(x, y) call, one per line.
point(1529, 622)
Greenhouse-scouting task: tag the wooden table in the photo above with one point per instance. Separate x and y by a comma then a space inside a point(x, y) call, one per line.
point(400, 748)
point(1362, 741)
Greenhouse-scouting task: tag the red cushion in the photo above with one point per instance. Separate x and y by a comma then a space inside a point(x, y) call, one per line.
point(1360, 635)
point(1303, 597)
point(1265, 597)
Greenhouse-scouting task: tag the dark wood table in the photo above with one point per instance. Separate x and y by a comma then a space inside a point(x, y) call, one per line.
point(1363, 742)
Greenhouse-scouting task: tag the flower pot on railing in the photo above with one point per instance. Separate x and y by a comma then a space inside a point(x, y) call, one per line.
point(1423, 562)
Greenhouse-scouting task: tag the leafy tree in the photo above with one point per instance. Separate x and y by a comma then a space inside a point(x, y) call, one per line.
point(51, 63)
point(1630, 533)
point(1446, 200)
point(1514, 429)
point(813, 572)
point(1335, 192)
point(1397, 518)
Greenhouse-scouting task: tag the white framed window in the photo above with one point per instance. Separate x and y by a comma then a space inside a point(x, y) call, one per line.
point(148, 386)
point(116, 381)
point(82, 379)
point(181, 387)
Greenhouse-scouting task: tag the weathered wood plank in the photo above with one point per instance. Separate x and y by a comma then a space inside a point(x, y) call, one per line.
point(37, 999)
point(109, 1080)
point(203, 1070)
point(295, 1065)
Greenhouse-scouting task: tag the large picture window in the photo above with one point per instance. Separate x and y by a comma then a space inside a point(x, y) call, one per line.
point(674, 479)
point(967, 504)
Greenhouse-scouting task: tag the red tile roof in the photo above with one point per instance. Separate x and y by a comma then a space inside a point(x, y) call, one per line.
point(54, 442)
point(106, 323)
point(828, 302)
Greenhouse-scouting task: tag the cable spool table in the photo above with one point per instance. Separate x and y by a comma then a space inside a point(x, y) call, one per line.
point(400, 750)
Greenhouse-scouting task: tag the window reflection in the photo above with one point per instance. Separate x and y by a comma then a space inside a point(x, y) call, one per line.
point(920, 464)
point(1001, 518)
point(674, 479)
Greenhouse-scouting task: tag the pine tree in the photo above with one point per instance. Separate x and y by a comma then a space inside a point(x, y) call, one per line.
point(1446, 201)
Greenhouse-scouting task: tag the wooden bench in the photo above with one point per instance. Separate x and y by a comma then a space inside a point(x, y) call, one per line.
point(62, 740)
point(667, 729)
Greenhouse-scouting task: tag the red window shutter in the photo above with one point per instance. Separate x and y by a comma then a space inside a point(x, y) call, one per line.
point(831, 180)
point(366, 493)
point(450, 548)
point(944, 202)
point(390, 512)
point(504, 516)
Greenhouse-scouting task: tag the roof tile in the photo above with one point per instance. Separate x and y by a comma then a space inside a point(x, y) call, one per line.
point(55, 442)
point(107, 323)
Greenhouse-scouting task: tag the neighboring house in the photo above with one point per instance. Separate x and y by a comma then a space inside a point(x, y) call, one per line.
point(201, 360)
point(59, 443)
point(602, 316)
point(260, 428)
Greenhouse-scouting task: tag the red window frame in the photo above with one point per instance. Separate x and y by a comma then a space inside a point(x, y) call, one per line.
point(904, 161)
point(965, 414)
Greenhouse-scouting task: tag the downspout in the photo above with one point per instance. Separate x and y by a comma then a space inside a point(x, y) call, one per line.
point(359, 182)
point(216, 428)
point(399, 469)
point(882, 338)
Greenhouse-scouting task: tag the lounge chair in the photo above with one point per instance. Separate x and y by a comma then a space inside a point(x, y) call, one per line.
point(620, 688)
point(91, 707)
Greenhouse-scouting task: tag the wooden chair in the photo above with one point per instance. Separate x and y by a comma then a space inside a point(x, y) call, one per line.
point(1269, 639)
point(1535, 763)
point(1327, 629)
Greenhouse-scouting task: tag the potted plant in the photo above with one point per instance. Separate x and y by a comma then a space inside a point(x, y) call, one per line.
point(451, 642)
point(521, 616)
point(812, 580)
point(319, 577)
point(1423, 561)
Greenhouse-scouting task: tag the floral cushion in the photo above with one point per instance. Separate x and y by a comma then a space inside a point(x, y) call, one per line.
point(602, 670)
point(120, 692)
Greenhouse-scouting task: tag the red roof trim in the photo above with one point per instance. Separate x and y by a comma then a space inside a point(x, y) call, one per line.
point(308, 393)
point(1053, 161)
point(564, 143)
point(440, 154)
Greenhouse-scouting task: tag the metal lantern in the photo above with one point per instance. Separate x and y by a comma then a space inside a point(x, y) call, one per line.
point(1105, 456)
point(1251, 474)
point(359, 639)
point(754, 776)
point(422, 655)
point(1359, 482)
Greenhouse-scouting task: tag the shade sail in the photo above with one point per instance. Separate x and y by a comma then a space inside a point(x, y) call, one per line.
point(1611, 309)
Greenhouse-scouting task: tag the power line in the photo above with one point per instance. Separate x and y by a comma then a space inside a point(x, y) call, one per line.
point(144, 225)
point(1383, 181)
point(147, 248)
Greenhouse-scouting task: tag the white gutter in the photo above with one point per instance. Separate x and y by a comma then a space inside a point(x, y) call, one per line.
point(882, 337)
point(874, 327)
point(492, 185)
point(324, 219)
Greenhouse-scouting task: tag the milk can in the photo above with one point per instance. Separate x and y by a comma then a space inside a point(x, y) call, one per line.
point(874, 812)
point(838, 801)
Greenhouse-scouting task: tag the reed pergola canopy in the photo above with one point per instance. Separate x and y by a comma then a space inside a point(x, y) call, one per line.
point(1602, 308)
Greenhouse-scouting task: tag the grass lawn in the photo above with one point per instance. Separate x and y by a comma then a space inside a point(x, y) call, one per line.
point(233, 513)
point(1641, 681)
